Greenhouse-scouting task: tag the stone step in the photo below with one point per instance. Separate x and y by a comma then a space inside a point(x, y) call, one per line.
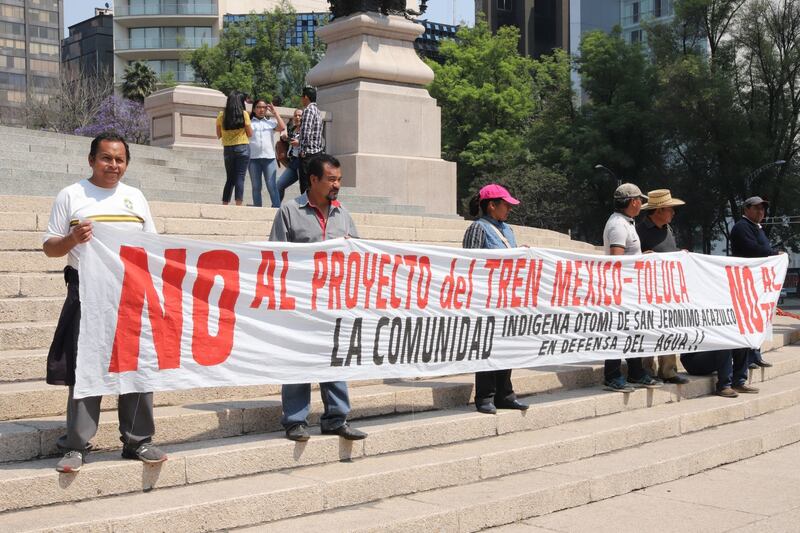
point(23, 151)
point(39, 207)
point(44, 141)
point(494, 501)
point(79, 166)
point(188, 419)
point(20, 240)
point(26, 438)
point(29, 262)
point(18, 285)
point(579, 460)
point(30, 309)
point(26, 335)
point(22, 365)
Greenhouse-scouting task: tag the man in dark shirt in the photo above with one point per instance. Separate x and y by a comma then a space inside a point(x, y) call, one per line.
point(655, 235)
point(747, 236)
point(749, 240)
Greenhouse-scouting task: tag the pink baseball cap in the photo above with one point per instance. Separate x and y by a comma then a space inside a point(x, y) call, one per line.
point(494, 191)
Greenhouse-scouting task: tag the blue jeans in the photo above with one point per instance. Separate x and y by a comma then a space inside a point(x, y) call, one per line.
point(236, 159)
point(267, 168)
point(730, 366)
point(289, 176)
point(296, 401)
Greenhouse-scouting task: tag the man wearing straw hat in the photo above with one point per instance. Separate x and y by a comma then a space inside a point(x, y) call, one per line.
point(655, 235)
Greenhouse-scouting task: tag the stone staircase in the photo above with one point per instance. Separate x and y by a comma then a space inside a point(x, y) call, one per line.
point(41, 163)
point(430, 463)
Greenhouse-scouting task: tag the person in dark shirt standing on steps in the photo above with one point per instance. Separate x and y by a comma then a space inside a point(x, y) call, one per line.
point(655, 235)
point(749, 240)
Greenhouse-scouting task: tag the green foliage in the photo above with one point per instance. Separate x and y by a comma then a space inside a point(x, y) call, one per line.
point(485, 90)
point(544, 195)
point(167, 79)
point(252, 57)
point(138, 82)
point(617, 126)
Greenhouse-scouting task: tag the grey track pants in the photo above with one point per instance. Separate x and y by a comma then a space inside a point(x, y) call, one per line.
point(136, 425)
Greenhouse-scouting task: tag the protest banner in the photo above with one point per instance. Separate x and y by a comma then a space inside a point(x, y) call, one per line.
point(161, 313)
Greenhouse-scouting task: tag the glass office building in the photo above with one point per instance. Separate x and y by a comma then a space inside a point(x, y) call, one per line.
point(30, 53)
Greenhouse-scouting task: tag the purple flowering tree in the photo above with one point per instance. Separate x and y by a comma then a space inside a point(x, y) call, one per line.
point(122, 116)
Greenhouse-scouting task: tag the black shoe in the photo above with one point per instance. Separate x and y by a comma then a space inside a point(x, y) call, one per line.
point(486, 408)
point(346, 431)
point(146, 453)
point(513, 404)
point(762, 363)
point(677, 380)
point(298, 432)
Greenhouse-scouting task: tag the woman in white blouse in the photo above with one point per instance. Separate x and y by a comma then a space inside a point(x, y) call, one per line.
point(264, 122)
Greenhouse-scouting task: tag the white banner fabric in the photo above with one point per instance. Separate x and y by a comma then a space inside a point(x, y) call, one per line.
point(160, 313)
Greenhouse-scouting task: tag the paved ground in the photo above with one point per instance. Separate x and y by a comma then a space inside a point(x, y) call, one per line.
point(758, 495)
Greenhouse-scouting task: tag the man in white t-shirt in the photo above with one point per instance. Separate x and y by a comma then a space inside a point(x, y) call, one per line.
point(620, 238)
point(100, 199)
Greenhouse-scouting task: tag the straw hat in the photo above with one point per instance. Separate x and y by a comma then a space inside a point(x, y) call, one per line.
point(661, 198)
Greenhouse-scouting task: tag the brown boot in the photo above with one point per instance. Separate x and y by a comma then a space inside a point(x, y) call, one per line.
point(727, 392)
point(745, 389)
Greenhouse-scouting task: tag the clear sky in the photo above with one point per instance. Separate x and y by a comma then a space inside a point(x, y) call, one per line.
point(438, 11)
point(78, 10)
point(443, 11)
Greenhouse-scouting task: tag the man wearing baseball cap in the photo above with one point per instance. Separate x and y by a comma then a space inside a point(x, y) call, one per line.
point(620, 238)
point(656, 235)
point(493, 203)
point(749, 240)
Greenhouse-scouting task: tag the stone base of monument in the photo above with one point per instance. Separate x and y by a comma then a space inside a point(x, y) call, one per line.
point(386, 128)
point(184, 117)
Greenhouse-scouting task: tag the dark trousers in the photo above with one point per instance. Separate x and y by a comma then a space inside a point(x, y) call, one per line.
point(303, 171)
point(754, 356)
point(237, 159)
point(613, 369)
point(493, 386)
point(730, 366)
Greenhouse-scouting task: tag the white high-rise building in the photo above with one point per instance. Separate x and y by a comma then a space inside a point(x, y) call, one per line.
point(160, 32)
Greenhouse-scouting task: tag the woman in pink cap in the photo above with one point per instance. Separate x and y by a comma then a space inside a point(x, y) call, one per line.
point(493, 203)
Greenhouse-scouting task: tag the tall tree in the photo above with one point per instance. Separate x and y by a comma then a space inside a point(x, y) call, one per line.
point(138, 82)
point(69, 102)
point(768, 88)
point(252, 57)
point(617, 126)
point(485, 89)
point(708, 148)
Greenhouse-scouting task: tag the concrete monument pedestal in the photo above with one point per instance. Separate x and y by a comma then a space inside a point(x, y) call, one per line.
point(386, 128)
point(184, 117)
